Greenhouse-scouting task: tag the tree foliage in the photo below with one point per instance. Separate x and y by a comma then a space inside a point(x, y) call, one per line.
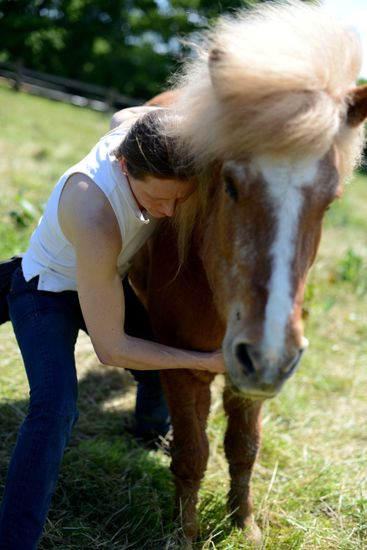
point(129, 45)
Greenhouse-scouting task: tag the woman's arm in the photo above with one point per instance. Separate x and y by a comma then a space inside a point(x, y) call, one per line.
point(89, 222)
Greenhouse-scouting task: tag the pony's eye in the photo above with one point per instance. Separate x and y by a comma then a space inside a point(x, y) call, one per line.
point(230, 187)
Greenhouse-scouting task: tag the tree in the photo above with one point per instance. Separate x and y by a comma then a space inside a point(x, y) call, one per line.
point(129, 45)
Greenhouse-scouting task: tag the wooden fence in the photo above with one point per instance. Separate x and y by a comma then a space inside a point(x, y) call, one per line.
point(65, 89)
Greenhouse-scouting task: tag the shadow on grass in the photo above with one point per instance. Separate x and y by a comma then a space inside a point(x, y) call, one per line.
point(112, 493)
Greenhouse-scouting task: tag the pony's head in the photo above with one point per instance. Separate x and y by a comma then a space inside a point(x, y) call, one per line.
point(273, 117)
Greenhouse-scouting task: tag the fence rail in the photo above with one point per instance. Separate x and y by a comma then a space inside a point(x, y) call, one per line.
point(65, 89)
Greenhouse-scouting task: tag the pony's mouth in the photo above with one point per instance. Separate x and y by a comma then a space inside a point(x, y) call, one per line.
point(254, 394)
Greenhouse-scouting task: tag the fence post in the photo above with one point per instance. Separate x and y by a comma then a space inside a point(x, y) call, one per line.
point(18, 66)
point(111, 98)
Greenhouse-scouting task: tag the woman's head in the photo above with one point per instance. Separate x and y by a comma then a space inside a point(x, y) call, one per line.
point(159, 172)
point(151, 148)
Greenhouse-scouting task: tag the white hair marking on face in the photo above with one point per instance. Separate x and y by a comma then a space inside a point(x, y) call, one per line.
point(285, 181)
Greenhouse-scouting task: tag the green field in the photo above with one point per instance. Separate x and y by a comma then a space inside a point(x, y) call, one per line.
point(309, 484)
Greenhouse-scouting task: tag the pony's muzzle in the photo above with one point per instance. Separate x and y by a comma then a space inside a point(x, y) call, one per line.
point(254, 373)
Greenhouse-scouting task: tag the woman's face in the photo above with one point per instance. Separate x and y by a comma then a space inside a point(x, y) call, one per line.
point(160, 197)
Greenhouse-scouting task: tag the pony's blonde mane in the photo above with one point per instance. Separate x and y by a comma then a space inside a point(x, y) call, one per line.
point(273, 80)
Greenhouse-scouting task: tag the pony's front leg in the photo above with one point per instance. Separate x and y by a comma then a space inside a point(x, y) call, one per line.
point(241, 443)
point(189, 402)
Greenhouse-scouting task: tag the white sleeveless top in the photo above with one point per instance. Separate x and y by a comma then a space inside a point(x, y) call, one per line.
point(51, 256)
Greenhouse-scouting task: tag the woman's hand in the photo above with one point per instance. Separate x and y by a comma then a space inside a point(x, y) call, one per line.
point(216, 363)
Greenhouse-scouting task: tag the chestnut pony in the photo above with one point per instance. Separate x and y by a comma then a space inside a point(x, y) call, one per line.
point(271, 113)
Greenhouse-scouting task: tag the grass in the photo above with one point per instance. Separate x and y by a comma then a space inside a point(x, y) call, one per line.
point(310, 482)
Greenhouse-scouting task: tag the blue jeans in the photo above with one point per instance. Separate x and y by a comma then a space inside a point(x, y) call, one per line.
point(46, 325)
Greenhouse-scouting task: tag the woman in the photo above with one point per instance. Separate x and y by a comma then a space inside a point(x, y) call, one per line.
point(99, 214)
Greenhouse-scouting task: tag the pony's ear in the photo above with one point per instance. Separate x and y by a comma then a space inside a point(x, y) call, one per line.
point(357, 105)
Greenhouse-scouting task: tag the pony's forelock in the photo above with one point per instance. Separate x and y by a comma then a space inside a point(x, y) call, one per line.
point(270, 80)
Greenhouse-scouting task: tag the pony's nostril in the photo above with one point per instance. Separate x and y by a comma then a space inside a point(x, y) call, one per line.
point(290, 367)
point(244, 358)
